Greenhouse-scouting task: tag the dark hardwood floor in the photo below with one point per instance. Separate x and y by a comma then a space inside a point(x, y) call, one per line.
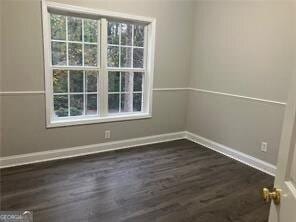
point(175, 181)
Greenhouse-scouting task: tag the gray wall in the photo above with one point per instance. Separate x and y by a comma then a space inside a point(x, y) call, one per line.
point(239, 47)
point(244, 48)
point(24, 115)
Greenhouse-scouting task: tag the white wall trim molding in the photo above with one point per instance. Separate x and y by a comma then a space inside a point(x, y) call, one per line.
point(11, 93)
point(23, 159)
point(234, 154)
point(238, 96)
point(170, 89)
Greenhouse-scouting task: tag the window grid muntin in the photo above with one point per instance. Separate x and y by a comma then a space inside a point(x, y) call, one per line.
point(67, 44)
point(69, 105)
point(84, 93)
point(120, 92)
point(126, 46)
point(83, 43)
point(131, 70)
point(119, 46)
point(129, 92)
point(84, 86)
point(83, 68)
point(119, 52)
point(142, 92)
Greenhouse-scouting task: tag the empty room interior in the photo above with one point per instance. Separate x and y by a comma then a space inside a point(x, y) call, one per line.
point(135, 111)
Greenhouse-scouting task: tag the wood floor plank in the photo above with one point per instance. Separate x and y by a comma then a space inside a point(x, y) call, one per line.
point(173, 181)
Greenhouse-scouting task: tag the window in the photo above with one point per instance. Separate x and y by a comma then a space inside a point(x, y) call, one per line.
point(75, 65)
point(125, 50)
point(98, 65)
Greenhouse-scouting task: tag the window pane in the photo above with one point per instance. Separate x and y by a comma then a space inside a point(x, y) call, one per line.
point(58, 27)
point(137, 102)
point(60, 81)
point(113, 82)
point(90, 55)
point(91, 81)
point(74, 29)
point(138, 58)
point(138, 81)
point(113, 103)
point(126, 82)
point(61, 106)
point(139, 35)
point(76, 105)
point(58, 53)
point(91, 105)
point(75, 54)
point(76, 81)
point(126, 102)
point(113, 33)
point(126, 54)
point(113, 56)
point(126, 34)
point(90, 30)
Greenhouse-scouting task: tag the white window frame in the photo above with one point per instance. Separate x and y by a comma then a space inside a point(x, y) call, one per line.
point(150, 25)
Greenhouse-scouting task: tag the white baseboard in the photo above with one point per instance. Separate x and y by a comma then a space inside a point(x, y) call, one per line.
point(36, 157)
point(232, 153)
point(17, 160)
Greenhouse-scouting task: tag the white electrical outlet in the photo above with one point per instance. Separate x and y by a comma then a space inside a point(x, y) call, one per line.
point(107, 134)
point(264, 147)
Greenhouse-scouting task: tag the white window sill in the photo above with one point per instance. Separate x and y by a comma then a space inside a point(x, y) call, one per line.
point(92, 120)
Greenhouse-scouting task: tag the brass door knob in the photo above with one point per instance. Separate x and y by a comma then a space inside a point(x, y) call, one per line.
point(274, 195)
